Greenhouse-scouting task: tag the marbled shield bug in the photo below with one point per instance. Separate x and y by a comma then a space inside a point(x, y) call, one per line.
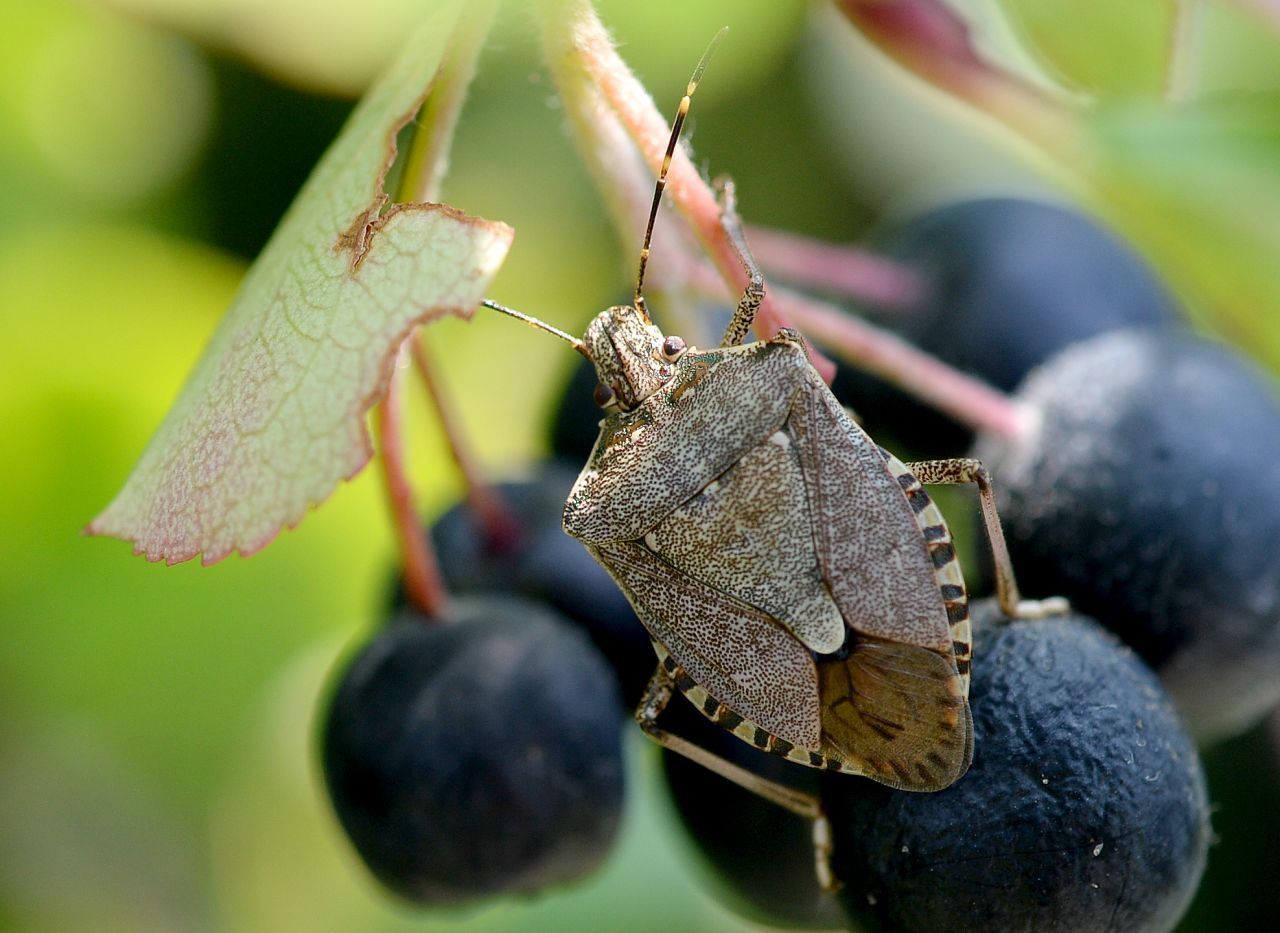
point(799, 586)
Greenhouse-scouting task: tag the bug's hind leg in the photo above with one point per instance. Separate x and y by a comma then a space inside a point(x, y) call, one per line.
point(753, 294)
point(658, 694)
point(964, 470)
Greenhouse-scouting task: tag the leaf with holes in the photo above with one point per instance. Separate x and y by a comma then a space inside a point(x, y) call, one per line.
point(272, 417)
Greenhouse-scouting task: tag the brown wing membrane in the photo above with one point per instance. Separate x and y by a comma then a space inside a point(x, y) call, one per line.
point(739, 655)
point(897, 712)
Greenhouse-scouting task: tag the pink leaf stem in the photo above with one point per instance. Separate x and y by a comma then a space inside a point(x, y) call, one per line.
point(492, 511)
point(963, 397)
point(572, 31)
point(843, 269)
point(423, 584)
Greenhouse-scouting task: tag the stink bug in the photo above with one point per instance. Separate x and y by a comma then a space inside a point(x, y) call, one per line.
point(798, 584)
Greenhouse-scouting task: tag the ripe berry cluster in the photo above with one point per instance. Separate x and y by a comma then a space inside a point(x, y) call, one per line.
point(482, 756)
point(480, 753)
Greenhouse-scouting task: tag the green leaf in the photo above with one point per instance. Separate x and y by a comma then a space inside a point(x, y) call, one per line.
point(1100, 46)
point(1195, 183)
point(1199, 187)
point(272, 418)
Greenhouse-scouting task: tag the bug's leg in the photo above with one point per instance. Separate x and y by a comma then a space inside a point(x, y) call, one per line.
point(753, 294)
point(658, 694)
point(654, 700)
point(964, 470)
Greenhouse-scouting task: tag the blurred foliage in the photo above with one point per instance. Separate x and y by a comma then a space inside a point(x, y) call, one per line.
point(1192, 177)
point(155, 767)
point(1122, 51)
point(1212, 169)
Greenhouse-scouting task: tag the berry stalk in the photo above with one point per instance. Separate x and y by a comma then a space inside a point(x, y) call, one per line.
point(500, 529)
point(965, 398)
point(587, 68)
point(423, 584)
point(845, 269)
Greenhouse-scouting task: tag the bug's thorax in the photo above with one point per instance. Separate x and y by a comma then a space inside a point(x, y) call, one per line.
point(631, 355)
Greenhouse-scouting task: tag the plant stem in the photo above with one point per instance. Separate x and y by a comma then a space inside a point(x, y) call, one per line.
point(847, 270)
point(428, 157)
point(491, 510)
point(422, 172)
point(964, 398)
point(585, 67)
point(423, 584)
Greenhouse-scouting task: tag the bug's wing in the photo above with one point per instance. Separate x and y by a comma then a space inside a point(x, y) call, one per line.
point(872, 553)
point(738, 654)
point(897, 713)
point(749, 535)
point(648, 461)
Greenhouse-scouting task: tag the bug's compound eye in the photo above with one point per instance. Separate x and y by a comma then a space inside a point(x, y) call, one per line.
point(672, 348)
point(603, 395)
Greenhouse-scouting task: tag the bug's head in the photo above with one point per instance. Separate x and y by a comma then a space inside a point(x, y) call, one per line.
point(632, 357)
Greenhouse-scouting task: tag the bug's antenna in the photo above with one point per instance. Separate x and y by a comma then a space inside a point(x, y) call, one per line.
point(666, 164)
point(534, 322)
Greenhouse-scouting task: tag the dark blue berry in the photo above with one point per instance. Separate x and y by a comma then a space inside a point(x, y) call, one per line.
point(575, 424)
point(478, 757)
point(1084, 809)
point(535, 558)
point(1149, 495)
point(1009, 282)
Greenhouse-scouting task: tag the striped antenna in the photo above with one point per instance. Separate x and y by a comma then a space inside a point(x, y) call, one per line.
point(543, 325)
point(666, 165)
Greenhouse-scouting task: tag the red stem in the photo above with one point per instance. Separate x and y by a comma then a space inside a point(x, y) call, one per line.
point(968, 400)
point(586, 43)
point(846, 270)
point(423, 585)
point(493, 513)
point(963, 397)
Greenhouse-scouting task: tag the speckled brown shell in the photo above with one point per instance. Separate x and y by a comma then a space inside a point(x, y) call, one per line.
point(798, 583)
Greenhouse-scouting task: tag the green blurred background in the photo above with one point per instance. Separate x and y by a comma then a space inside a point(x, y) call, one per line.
point(156, 724)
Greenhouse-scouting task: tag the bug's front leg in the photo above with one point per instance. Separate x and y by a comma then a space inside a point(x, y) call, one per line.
point(753, 294)
point(964, 470)
point(658, 693)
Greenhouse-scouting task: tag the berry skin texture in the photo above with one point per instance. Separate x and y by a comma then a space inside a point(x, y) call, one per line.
point(1149, 495)
point(543, 563)
point(1010, 282)
point(478, 757)
point(1085, 807)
